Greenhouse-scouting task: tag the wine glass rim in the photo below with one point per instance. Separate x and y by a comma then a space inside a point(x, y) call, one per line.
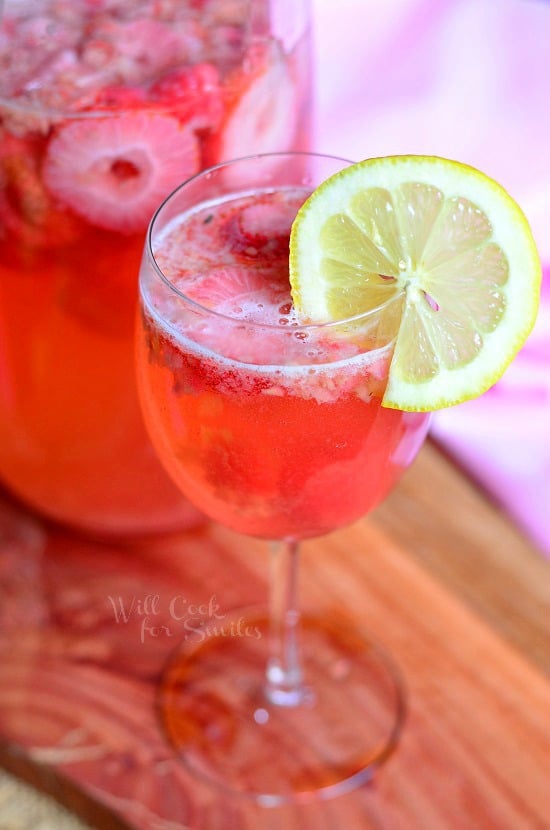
point(198, 307)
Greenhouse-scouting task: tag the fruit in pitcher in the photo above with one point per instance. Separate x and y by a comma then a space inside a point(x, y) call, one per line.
point(194, 93)
point(261, 111)
point(262, 229)
point(114, 171)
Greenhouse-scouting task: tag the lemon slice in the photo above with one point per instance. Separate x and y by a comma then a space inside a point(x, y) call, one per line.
point(445, 248)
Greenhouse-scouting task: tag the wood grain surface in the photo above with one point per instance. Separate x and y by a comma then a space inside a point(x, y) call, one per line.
point(437, 574)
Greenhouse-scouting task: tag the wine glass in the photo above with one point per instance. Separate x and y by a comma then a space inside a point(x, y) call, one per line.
point(274, 428)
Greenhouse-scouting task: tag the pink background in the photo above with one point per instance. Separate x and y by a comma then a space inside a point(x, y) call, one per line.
point(466, 79)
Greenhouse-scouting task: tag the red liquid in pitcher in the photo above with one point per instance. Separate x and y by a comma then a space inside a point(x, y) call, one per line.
point(103, 113)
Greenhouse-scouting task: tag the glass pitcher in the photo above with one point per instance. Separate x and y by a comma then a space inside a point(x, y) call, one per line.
point(105, 107)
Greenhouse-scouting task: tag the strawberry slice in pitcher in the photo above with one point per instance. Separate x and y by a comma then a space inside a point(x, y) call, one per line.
point(261, 107)
point(114, 171)
point(194, 94)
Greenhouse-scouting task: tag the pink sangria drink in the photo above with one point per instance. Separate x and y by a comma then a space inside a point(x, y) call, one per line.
point(105, 107)
point(271, 427)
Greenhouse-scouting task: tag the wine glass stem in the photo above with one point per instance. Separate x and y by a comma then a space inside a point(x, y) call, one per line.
point(284, 679)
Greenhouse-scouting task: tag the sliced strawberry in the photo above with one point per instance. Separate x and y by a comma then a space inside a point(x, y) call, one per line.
point(261, 107)
point(261, 230)
point(141, 48)
point(114, 171)
point(224, 284)
point(263, 222)
point(194, 94)
point(240, 292)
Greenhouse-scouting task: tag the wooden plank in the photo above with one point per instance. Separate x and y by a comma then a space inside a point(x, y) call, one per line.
point(446, 584)
point(445, 522)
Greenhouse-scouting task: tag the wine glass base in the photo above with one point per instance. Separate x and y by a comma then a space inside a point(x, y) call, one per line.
point(215, 711)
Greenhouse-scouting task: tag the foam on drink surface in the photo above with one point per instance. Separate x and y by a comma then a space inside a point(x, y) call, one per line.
point(67, 51)
point(228, 261)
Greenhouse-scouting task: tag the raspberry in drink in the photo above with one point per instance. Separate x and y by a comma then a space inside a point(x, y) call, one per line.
point(105, 107)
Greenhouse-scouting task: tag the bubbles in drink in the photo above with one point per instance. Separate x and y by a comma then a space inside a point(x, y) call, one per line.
point(237, 308)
